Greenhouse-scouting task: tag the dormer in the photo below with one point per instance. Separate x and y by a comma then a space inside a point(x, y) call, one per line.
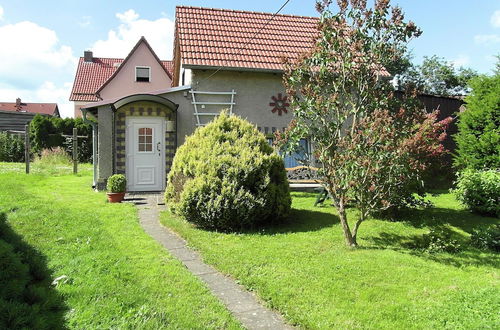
point(140, 72)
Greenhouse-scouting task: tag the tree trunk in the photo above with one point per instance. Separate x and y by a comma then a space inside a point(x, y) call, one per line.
point(350, 241)
point(356, 226)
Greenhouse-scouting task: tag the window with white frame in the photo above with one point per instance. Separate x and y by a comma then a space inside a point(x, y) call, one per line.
point(142, 73)
point(145, 141)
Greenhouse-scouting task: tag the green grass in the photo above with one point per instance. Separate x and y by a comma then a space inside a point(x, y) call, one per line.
point(303, 269)
point(116, 276)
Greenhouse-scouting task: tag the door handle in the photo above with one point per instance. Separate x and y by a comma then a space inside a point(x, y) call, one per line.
point(158, 148)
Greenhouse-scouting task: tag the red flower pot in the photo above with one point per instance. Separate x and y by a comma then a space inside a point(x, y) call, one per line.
point(115, 197)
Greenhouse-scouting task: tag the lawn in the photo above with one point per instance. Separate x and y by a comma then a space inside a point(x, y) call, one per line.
point(303, 269)
point(111, 274)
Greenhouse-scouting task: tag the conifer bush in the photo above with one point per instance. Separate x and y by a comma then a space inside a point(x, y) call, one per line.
point(226, 177)
point(478, 137)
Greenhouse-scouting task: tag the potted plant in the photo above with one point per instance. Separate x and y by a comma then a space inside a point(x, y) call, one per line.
point(116, 186)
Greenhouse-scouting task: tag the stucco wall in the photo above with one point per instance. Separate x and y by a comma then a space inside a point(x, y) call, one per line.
point(77, 113)
point(185, 118)
point(124, 82)
point(254, 91)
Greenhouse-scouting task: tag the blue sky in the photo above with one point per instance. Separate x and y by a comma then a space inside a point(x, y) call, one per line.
point(41, 40)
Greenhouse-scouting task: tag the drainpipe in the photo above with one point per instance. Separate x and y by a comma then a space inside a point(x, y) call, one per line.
point(94, 145)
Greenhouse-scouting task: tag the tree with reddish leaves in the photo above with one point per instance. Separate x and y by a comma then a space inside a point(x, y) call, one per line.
point(371, 147)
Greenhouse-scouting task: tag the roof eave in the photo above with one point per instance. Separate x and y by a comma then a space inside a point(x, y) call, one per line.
point(230, 68)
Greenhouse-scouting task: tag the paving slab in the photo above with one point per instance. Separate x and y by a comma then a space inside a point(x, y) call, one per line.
point(244, 305)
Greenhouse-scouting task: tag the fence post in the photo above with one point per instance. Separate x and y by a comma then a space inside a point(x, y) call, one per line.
point(75, 151)
point(27, 147)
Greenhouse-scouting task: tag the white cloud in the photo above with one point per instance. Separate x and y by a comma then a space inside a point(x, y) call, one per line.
point(120, 41)
point(495, 19)
point(85, 21)
point(46, 92)
point(461, 60)
point(1, 13)
point(32, 53)
point(487, 39)
point(34, 65)
point(128, 17)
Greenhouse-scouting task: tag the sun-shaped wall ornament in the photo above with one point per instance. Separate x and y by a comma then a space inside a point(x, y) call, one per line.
point(279, 104)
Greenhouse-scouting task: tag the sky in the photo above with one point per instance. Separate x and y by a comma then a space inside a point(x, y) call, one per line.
point(41, 41)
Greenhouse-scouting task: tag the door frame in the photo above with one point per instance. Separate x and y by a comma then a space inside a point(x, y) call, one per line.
point(129, 158)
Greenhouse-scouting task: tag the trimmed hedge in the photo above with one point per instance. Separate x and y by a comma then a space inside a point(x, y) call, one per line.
point(226, 177)
point(479, 191)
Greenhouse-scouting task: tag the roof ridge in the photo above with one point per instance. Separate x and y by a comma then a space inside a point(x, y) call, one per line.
point(23, 102)
point(107, 58)
point(116, 58)
point(246, 12)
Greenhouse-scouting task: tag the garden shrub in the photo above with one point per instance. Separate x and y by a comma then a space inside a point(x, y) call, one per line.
point(487, 238)
point(226, 177)
point(439, 239)
point(479, 191)
point(117, 183)
point(11, 147)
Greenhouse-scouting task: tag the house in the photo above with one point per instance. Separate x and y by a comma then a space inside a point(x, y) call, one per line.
point(99, 78)
point(223, 59)
point(14, 116)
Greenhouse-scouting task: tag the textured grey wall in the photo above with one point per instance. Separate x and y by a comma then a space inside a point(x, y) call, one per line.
point(254, 91)
point(105, 146)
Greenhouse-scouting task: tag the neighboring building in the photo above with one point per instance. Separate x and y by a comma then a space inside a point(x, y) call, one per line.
point(14, 116)
point(100, 78)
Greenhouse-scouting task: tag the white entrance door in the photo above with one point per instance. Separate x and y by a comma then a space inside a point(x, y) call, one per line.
point(145, 163)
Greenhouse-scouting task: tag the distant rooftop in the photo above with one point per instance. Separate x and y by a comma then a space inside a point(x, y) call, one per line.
point(41, 108)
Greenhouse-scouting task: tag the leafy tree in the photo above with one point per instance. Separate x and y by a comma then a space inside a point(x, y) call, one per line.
point(370, 146)
point(478, 137)
point(47, 132)
point(437, 76)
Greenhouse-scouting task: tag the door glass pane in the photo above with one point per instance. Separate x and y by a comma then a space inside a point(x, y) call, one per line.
point(145, 139)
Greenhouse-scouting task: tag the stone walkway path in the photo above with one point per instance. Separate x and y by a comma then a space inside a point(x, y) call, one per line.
point(243, 304)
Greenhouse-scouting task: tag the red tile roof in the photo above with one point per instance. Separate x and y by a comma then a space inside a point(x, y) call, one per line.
point(242, 39)
point(41, 108)
point(91, 76)
point(217, 37)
